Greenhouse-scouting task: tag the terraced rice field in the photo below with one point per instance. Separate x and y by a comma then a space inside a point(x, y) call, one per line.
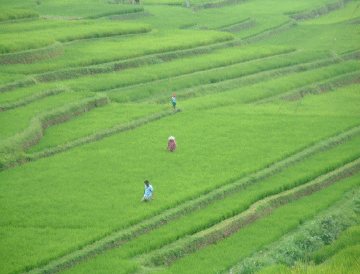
point(265, 178)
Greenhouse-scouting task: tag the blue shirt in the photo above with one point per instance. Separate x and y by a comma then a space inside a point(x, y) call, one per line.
point(173, 99)
point(148, 190)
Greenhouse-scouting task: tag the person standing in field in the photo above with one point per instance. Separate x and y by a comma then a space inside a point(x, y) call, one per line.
point(148, 192)
point(171, 144)
point(173, 101)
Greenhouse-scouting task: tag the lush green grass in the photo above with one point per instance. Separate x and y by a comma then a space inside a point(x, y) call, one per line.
point(228, 207)
point(83, 8)
point(165, 70)
point(349, 238)
point(12, 14)
point(94, 121)
point(223, 255)
point(43, 32)
point(5, 77)
point(19, 4)
point(269, 88)
point(22, 93)
point(309, 237)
point(58, 204)
point(99, 186)
point(187, 85)
point(342, 256)
point(119, 48)
point(322, 34)
point(350, 12)
point(16, 120)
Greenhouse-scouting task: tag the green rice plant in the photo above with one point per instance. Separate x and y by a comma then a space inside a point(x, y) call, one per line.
point(185, 85)
point(210, 215)
point(20, 94)
point(349, 12)
point(166, 70)
point(18, 98)
point(9, 77)
point(12, 14)
point(17, 37)
point(119, 156)
point(83, 8)
point(309, 35)
point(62, 203)
point(58, 241)
point(15, 120)
point(271, 87)
point(53, 51)
point(89, 123)
point(120, 48)
point(320, 11)
point(20, 4)
point(241, 244)
point(12, 148)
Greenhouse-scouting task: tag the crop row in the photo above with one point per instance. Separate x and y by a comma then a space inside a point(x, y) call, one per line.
point(30, 124)
point(85, 9)
point(308, 240)
point(229, 251)
point(219, 79)
point(24, 120)
point(321, 11)
point(225, 208)
point(237, 188)
point(13, 14)
point(98, 51)
point(218, 211)
point(177, 67)
point(58, 139)
point(272, 87)
point(78, 133)
point(39, 33)
point(23, 96)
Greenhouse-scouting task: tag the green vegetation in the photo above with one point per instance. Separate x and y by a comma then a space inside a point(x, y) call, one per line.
point(266, 172)
point(241, 244)
point(35, 34)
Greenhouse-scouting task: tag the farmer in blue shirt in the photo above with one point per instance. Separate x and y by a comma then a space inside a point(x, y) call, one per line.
point(148, 193)
point(173, 101)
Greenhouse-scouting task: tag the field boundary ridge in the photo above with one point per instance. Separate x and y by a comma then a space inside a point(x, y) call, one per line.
point(263, 208)
point(100, 135)
point(12, 148)
point(124, 235)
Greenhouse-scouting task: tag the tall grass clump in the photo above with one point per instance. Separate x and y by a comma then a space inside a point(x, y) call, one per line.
point(307, 241)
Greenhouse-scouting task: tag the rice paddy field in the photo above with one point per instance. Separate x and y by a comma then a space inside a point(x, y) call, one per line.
point(265, 178)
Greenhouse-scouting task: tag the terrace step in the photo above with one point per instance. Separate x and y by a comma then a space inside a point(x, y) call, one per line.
point(168, 254)
point(125, 235)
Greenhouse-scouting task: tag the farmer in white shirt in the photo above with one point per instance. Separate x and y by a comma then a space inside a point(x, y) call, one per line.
point(148, 192)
